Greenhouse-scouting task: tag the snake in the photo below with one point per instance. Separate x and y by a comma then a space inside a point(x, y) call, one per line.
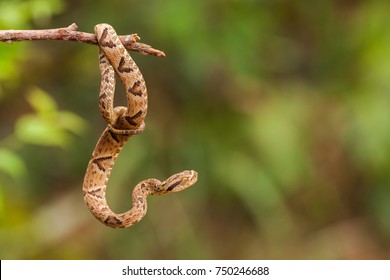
point(122, 123)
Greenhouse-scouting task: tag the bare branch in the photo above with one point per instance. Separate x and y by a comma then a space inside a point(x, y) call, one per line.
point(70, 34)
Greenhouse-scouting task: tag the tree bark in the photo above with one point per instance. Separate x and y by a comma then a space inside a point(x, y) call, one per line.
point(70, 33)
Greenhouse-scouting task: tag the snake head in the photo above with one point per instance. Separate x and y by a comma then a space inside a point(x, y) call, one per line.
point(180, 181)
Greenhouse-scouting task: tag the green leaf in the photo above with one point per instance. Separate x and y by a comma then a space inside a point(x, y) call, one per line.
point(71, 122)
point(11, 163)
point(42, 102)
point(35, 130)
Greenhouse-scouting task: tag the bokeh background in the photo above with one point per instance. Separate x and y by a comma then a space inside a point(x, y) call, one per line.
point(283, 108)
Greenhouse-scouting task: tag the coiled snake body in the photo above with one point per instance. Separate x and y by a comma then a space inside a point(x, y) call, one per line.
point(123, 122)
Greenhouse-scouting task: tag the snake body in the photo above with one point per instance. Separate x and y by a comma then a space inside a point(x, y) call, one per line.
point(123, 122)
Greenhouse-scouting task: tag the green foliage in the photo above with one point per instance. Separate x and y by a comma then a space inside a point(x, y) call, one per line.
point(17, 13)
point(48, 126)
point(11, 163)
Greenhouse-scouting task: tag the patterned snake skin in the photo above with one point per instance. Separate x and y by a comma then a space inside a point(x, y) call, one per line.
point(123, 122)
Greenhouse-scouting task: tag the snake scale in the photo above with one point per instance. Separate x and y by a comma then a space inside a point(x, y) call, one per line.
point(123, 122)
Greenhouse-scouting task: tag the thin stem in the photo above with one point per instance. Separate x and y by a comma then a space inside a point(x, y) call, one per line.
point(70, 33)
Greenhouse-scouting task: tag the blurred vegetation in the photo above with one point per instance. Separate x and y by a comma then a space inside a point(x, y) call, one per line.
point(281, 106)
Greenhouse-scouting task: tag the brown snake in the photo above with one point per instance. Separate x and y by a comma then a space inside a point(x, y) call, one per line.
point(123, 122)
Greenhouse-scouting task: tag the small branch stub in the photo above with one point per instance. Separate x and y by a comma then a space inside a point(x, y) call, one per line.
point(70, 33)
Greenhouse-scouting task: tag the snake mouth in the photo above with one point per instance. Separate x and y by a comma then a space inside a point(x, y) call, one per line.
point(181, 181)
point(193, 176)
point(188, 177)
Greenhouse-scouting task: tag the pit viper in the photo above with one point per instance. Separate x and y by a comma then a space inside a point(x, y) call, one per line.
point(122, 124)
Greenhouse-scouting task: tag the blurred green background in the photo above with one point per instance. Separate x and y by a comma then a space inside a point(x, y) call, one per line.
point(283, 108)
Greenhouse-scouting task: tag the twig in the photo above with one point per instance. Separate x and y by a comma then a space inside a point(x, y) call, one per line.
point(70, 34)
